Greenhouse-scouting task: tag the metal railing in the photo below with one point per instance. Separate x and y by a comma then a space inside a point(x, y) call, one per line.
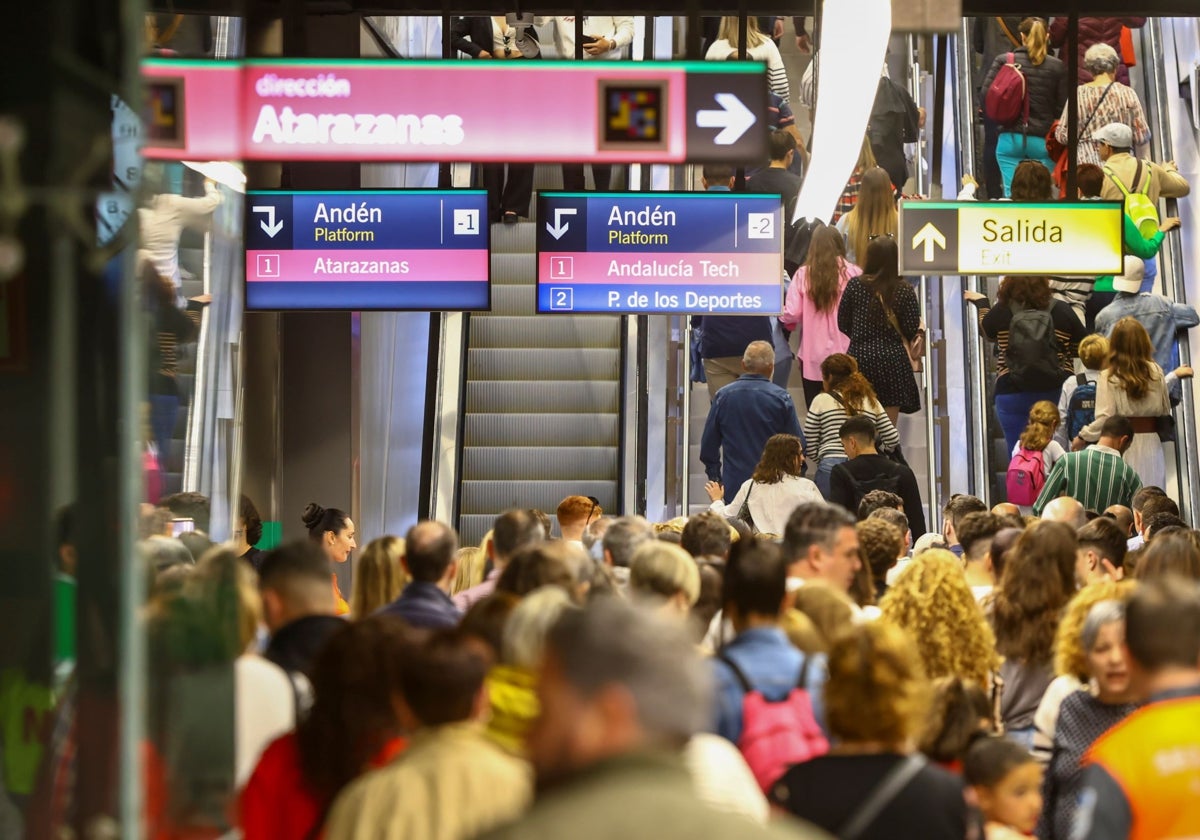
point(979, 451)
point(1171, 267)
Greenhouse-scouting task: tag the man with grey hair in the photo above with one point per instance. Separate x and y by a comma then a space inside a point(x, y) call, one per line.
point(743, 416)
point(623, 537)
point(621, 691)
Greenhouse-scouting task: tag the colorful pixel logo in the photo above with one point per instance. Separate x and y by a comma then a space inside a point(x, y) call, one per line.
point(633, 116)
point(164, 113)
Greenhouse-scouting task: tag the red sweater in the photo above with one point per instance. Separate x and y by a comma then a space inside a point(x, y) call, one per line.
point(277, 803)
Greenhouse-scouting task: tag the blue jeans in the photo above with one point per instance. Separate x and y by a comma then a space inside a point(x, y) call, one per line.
point(1013, 412)
point(1012, 147)
point(824, 469)
point(163, 410)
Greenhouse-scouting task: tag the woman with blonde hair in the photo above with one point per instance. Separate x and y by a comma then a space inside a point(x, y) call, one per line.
point(1134, 386)
point(379, 576)
point(932, 601)
point(849, 197)
point(812, 305)
point(773, 491)
point(845, 393)
point(471, 560)
point(830, 611)
point(758, 48)
point(1046, 91)
point(876, 700)
point(1037, 440)
point(874, 214)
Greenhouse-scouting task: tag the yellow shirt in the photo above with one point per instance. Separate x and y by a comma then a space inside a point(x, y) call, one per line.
point(452, 783)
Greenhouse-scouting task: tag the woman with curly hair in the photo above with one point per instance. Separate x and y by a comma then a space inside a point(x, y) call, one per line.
point(933, 603)
point(1038, 581)
point(1134, 386)
point(846, 393)
point(876, 699)
point(812, 305)
point(773, 491)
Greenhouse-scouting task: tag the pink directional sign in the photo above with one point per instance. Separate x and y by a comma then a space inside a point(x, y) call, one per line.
point(603, 111)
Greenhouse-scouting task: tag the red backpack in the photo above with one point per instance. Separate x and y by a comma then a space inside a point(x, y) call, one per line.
point(1007, 100)
point(1026, 476)
point(777, 735)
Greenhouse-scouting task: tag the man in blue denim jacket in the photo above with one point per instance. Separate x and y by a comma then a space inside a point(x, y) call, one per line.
point(755, 588)
point(1162, 318)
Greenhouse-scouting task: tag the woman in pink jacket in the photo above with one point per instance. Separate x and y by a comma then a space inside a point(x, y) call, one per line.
point(812, 305)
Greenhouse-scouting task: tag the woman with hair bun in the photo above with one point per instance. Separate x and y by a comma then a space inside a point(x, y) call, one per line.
point(333, 531)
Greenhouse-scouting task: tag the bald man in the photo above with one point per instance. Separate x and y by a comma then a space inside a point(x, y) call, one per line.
point(429, 556)
point(1066, 510)
point(1006, 509)
point(743, 416)
point(1123, 516)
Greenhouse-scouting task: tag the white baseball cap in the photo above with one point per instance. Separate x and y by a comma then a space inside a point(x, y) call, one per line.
point(1117, 135)
point(1131, 279)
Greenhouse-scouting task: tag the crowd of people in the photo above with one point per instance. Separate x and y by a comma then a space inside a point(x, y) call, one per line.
point(849, 675)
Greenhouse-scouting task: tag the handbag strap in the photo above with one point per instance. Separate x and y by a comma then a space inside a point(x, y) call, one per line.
point(891, 316)
point(885, 792)
point(1007, 32)
point(850, 412)
point(1095, 110)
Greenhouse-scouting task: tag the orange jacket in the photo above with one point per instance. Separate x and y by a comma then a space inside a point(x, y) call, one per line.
point(1154, 757)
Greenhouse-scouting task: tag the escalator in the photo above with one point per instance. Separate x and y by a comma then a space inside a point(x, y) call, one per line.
point(1159, 98)
point(541, 416)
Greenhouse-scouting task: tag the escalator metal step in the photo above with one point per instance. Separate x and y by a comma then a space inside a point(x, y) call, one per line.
point(514, 239)
point(517, 332)
point(553, 364)
point(491, 497)
point(541, 430)
point(514, 269)
point(531, 397)
point(531, 463)
point(513, 300)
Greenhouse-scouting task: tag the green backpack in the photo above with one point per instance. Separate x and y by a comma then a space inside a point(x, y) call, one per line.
point(1138, 205)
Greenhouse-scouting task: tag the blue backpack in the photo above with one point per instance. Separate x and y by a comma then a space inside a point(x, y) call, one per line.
point(1081, 409)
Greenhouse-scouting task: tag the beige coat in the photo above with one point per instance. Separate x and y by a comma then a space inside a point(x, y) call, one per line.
point(1164, 182)
point(451, 784)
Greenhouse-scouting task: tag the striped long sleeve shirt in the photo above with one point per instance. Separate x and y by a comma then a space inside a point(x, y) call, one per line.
point(1096, 477)
point(827, 414)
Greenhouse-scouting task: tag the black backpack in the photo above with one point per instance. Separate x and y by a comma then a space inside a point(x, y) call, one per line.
point(863, 486)
point(1032, 352)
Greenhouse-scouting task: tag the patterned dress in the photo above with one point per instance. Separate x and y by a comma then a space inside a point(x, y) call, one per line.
point(876, 346)
point(1081, 720)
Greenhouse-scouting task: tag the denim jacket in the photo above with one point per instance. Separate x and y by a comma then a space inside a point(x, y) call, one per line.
point(772, 666)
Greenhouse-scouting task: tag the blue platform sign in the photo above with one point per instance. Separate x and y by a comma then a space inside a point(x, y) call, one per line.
point(422, 250)
point(711, 253)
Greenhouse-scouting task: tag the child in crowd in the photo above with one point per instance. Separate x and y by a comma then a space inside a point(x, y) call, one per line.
point(1007, 781)
point(1024, 480)
point(1076, 410)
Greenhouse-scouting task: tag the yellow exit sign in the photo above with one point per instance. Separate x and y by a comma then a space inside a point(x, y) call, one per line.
point(1006, 237)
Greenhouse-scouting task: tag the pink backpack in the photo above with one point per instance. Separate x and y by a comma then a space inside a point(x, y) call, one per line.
point(1026, 476)
point(777, 735)
point(1006, 102)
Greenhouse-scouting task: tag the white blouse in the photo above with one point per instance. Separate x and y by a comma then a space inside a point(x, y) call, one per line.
point(771, 504)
